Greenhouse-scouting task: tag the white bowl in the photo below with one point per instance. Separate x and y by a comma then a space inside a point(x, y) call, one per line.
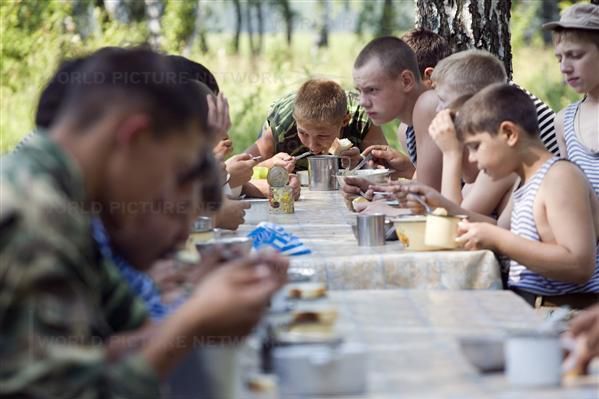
point(375, 176)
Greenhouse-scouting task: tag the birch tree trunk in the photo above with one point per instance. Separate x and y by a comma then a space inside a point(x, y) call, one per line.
point(237, 5)
point(466, 24)
point(153, 12)
point(323, 30)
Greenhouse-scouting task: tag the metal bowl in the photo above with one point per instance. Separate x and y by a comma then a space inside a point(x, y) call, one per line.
point(374, 176)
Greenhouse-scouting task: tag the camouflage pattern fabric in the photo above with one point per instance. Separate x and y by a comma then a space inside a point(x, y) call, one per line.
point(58, 297)
point(284, 128)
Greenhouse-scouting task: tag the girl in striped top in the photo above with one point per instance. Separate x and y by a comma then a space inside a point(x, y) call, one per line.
point(552, 242)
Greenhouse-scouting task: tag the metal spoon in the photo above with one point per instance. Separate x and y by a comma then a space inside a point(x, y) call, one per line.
point(422, 202)
point(302, 156)
point(363, 162)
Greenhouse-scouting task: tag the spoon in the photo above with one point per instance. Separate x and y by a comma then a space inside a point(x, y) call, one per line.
point(302, 156)
point(363, 162)
point(422, 202)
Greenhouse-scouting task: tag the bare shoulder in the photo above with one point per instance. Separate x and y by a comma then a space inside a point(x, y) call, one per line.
point(564, 177)
point(427, 102)
point(425, 110)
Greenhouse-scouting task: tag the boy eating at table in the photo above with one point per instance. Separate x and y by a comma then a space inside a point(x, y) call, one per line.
point(552, 243)
point(317, 118)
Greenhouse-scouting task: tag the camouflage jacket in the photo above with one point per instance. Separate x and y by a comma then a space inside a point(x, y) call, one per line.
point(59, 299)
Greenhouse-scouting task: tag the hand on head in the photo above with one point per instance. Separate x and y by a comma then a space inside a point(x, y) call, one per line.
point(219, 121)
point(442, 131)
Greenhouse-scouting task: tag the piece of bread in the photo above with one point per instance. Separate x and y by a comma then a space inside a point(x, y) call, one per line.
point(307, 291)
point(318, 316)
point(340, 145)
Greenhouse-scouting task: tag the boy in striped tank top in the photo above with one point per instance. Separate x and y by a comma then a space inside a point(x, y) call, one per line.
point(552, 241)
point(576, 39)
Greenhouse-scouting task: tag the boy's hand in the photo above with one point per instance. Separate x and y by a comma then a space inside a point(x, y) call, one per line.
point(223, 148)
point(385, 157)
point(442, 130)
point(353, 186)
point(474, 236)
point(587, 324)
point(219, 121)
point(281, 159)
point(354, 157)
point(231, 214)
point(240, 167)
point(432, 197)
point(231, 300)
point(294, 183)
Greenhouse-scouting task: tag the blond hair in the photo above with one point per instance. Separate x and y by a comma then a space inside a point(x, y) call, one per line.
point(470, 71)
point(320, 101)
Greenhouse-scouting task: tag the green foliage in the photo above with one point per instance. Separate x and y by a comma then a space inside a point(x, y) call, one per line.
point(179, 23)
point(36, 35)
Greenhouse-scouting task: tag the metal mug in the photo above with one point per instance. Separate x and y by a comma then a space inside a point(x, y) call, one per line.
point(322, 170)
point(371, 230)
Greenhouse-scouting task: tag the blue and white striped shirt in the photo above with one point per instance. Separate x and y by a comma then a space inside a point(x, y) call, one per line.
point(523, 225)
point(577, 152)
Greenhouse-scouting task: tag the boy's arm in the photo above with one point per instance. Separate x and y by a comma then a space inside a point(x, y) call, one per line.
point(559, 133)
point(374, 136)
point(485, 194)
point(570, 257)
point(430, 158)
point(264, 145)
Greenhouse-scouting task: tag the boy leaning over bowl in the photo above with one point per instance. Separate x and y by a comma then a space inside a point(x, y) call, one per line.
point(552, 242)
point(310, 120)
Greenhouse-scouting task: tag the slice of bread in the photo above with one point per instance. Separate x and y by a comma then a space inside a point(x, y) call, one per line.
point(340, 145)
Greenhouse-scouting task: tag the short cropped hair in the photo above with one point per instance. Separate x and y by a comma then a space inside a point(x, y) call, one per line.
point(576, 35)
point(138, 78)
point(429, 47)
point(55, 92)
point(393, 53)
point(495, 104)
point(467, 72)
point(320, 101)
point(189, 69)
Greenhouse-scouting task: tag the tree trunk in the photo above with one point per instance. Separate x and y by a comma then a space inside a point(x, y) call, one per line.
point(323, 31)
point(287, 13)
point(549, 12)
point(482, 24)
point(260, 19)
point(198, 30)
point(153, 13)
point(237, 5)
point(387, 21)
point(248, 23)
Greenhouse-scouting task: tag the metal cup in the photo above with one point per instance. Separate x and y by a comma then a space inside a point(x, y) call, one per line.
point(322, 171)
point(371, 230)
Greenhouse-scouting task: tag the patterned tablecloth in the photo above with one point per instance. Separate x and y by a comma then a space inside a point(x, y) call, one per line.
point(413, 349)
point(324, 224)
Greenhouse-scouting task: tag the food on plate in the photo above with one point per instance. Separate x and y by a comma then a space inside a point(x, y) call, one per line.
point(440, 212)
point(323, 315)
point(306, 290)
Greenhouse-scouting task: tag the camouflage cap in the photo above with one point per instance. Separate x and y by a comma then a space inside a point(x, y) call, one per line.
point(579, 16)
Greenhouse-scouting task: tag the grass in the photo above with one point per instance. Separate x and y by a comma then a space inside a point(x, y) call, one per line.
point(252, 83)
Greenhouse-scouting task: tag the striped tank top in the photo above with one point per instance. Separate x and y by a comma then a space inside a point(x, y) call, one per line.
point(545, 116)
point(523, 225)
point(577, 152)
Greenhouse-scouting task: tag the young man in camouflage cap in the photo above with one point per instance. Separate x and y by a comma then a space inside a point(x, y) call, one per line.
point(127, 132)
